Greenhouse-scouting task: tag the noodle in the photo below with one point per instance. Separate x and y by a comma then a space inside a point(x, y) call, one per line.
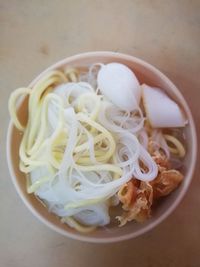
point(78, 148)
point(177, 147)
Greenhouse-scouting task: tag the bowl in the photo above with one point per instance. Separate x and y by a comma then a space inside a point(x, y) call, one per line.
point(146, 73)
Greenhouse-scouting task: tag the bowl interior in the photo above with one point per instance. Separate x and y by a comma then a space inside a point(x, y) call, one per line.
point(146, 74)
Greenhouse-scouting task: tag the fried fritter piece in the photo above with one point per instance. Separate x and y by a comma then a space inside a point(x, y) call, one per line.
point(140, 209)
point(137, 197)
point(127, 194)
point(161, 160)
point(166, 182)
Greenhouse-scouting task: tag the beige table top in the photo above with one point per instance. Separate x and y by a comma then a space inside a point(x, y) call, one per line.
point(35, 34)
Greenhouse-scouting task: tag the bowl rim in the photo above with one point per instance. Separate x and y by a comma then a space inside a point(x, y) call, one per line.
point(151, 68)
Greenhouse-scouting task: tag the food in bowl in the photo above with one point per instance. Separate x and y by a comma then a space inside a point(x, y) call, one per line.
point(96, 139)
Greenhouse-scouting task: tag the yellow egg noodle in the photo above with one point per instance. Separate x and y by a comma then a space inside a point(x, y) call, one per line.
point(177, 147)
point(78, 148)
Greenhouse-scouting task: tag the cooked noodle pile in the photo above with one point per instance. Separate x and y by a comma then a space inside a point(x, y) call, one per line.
point(80, 151)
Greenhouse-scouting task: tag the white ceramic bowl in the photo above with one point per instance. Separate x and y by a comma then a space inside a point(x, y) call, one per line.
point(146, 73)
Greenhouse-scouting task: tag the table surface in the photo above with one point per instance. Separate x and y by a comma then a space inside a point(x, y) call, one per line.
point(35, 34)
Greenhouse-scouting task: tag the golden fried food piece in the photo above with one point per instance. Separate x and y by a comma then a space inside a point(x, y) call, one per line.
point(166, 182)
point(140, 209)
point(137, 197)
point(161, 160)
point(127, 194)
point(167, 179)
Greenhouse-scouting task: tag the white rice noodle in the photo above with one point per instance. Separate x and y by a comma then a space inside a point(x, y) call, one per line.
point(115, 120)
point(86, 126)
point(148, 162)
point(160, 142)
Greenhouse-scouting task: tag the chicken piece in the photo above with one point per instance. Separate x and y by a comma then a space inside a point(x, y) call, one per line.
point(140, 209)
point(166, 182)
